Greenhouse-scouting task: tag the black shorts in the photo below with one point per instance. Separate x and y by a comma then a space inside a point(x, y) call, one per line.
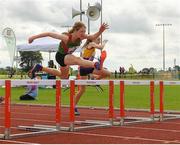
point(85, 71)
point(26, 97)
point(60, 59)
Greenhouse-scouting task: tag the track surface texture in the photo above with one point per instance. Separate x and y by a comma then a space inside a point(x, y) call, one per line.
point(165, 132)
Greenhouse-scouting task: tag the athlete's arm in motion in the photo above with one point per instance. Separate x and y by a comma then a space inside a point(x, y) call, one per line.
point(95, 45)
point(102, 28)
point(62, 37)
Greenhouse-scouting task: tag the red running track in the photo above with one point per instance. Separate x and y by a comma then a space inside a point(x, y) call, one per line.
point(147, 133)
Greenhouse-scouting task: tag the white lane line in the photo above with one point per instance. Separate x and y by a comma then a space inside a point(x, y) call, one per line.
point(124, 137)
point(17, 142)
point(153, 129)
point(171, 122)
point(32, 120)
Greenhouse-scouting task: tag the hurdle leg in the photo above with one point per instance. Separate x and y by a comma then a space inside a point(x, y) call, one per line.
point(122, 112)
point(72, 104)
point(111, 101)
point(7, 109)
point(152, 110)
point(58, 104)
point(161, 100)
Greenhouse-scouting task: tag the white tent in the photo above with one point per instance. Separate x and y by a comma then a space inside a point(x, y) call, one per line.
point(45, 44)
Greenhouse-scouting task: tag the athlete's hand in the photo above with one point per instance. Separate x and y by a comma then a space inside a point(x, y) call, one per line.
point(103, 27)
point(30, 40)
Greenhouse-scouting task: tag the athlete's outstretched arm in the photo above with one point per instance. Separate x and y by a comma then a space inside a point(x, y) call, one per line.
point(95, 45)
point(50, 34)
point(102, 28)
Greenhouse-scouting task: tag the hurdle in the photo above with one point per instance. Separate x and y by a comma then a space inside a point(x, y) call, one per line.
point(166, 115)
point(87, 123)
point(112, 119)
point(46, 129)
point(121, 119)
point(84, 124)
point(33, 131)
point(124, 120)
point(2, 83)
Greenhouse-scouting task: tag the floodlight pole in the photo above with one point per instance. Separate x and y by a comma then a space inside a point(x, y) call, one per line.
point(81, 10)
point(88, 21)
point(164, 25)
point(101, 19)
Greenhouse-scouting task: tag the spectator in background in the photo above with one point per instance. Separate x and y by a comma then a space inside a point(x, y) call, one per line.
point(1, 99)
point(51, 64)
point(121, 71)
point(31, 92)
point(50, 76)
point(115, 74)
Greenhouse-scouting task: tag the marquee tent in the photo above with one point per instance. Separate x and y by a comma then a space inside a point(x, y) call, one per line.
point(45, 44)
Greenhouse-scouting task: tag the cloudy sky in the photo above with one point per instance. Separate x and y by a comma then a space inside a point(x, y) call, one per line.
point(133, 36)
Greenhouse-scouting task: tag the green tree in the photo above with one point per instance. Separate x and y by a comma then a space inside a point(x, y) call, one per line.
point(29, 59)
